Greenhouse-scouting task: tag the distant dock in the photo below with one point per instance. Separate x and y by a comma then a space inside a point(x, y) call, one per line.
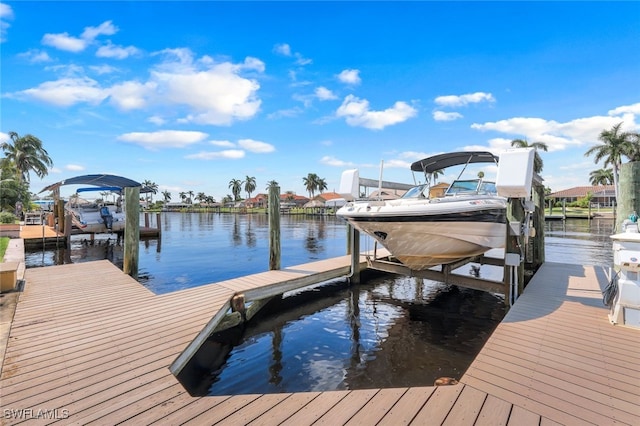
point(90, 344)
point(38, 236)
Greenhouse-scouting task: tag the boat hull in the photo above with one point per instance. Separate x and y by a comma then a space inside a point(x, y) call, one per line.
point(433, 237)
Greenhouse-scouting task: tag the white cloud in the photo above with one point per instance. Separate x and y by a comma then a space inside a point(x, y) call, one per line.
point(256, 146)
point(559, 136)
point(324, 94)
point(106, 28)
point(462, 100)
point(282, 49)
point(232, 154)
point(5, 13)
point(64, 42)
point(291, 112)
point(332, 161)
point(357, 113)
point(223, 144)
point(350, 77)
point(74, 167)
point(163, 138)
point(66, 92)
point(103, 69)
point(131, 95)
point(157, 120)
point(446, 116)
point(216, 96)
point(35, 56)
point(626, 109)
point(116, 52)
point(302, 61)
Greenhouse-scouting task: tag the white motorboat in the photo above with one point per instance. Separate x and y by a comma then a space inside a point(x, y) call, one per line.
point(422, 231)
point(91, 217)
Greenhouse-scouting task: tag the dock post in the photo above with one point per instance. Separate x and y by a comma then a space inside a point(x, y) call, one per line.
point(514, 245)
point(629, 193)
point(131, 231)
point(354, 238)
point(538, 225)
point(66, 225)
point(59, 213)
point(274, 228)
point(158, 224)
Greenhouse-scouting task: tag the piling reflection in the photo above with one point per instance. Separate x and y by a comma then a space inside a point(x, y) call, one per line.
point(391, 331)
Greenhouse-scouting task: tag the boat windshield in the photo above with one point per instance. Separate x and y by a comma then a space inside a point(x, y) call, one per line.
point(472, 186)
point(415, 192)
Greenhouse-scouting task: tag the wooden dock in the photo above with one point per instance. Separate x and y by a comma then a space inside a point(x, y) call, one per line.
point(88, 344)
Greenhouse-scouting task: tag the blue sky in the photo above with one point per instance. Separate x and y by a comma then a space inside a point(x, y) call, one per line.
point(191, 95)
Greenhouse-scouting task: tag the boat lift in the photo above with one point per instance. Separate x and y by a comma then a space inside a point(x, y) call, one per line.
point(516, 181)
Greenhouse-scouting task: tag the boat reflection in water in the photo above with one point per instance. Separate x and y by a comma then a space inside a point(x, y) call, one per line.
point(390, 332)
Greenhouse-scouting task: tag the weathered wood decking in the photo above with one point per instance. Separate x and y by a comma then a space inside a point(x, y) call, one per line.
point(93, 344)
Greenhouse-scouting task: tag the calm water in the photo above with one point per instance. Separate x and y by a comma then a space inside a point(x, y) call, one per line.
point(389, 331)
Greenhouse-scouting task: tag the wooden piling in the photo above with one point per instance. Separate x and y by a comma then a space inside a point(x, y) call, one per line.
point(274, 228)
point(514, 245)
point(629, 192)
point(354, 238)
point(131, 231)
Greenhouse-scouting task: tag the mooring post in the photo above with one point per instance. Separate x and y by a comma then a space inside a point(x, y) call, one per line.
point(274, 227)
point(66, 225)
point(514, 249)
point(629, 193)
point(59, 214)
point(538, 226)
point(131, 231)
point(354, 236)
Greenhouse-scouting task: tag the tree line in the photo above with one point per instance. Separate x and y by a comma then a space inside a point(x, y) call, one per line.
point(26, 154)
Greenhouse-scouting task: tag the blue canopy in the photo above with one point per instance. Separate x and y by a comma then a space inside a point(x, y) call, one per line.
point(98, 180)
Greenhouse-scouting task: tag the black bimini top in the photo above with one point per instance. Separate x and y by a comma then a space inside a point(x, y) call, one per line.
point(97, 180)
point(442, 161)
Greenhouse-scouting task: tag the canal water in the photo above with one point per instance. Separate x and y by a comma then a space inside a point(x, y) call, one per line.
point(389, 331)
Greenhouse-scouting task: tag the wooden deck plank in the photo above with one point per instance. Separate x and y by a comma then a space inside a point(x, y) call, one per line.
point(256, 408)
point(467, 407)
point(285, 409)
point(377, 407)
point(437, 408)
point(495, 411)
point(406, 409)
point(222, 410)
point(343, 411)
point(314, 409)
point(519, 416)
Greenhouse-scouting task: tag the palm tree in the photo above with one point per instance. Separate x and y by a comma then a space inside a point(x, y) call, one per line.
point(615, 145)
point(236, 188)
point(167, 196)
point(249, 185)
point(27, 154)
point(151, 188)
point(311, 183)
point(183, 196)
point(601, 177)
point(435, 174)
point(321, 184)
point(190, 194)
point(272, 184)
point(537, 160)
